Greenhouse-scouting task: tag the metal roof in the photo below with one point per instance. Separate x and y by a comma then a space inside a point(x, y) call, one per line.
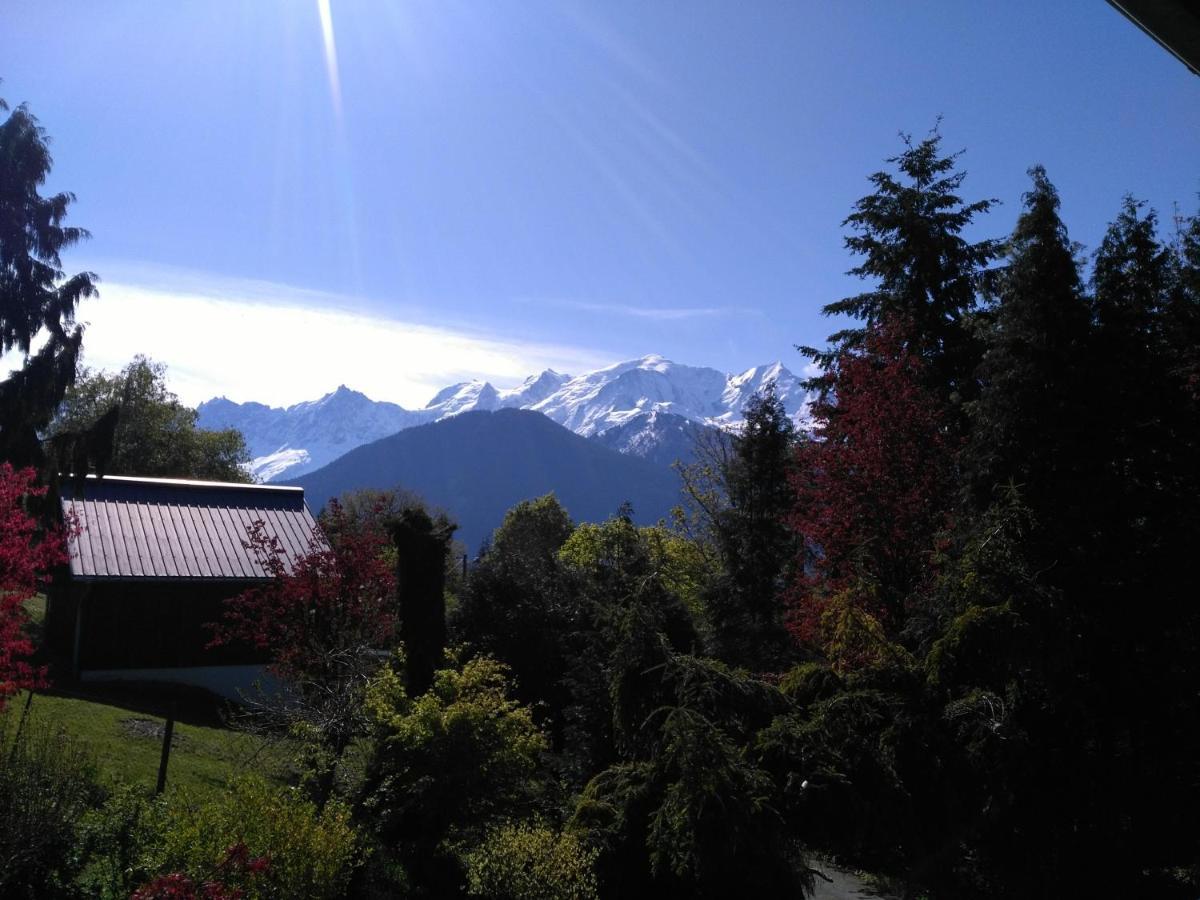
point(134, 528)
point(1175, 24)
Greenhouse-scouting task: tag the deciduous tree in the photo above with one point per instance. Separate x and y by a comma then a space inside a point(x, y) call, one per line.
point(323, 619)
point(155, 434)
point(27, 554)
point(872, 486)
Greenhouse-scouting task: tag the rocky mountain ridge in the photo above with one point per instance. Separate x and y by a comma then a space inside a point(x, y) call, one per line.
point(641, 407)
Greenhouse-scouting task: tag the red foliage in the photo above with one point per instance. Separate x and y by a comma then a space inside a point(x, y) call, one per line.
point(871, 488)
point(335, 600)
point(25, 561)
point(177, 886)
point(237, 865)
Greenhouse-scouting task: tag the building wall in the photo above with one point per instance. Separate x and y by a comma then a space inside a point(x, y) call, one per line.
point(149, 624)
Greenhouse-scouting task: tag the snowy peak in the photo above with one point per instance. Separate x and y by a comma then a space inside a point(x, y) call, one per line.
point(534, 389)
point(459, 398)
point(591, 404)
point(641, 404)
point(742, 387)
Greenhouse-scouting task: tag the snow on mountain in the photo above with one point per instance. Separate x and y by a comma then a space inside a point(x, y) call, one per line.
point(307, 435)
point(639, 404)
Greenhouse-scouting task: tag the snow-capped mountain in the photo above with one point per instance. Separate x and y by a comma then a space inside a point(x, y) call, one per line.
point(305, 436)
point(639, 407)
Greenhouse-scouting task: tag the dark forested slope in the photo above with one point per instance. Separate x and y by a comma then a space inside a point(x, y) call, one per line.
point(477, 465)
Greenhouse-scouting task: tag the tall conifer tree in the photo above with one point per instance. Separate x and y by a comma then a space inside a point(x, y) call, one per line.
point(756, 545)
point(37, 298)
point(1031, 425)
point(910, 235)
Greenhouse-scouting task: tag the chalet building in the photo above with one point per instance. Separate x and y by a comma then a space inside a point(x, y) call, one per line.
point(151, 563)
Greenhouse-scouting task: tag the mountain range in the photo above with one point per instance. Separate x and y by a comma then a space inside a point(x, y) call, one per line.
point(479, 464)
point(649, 407)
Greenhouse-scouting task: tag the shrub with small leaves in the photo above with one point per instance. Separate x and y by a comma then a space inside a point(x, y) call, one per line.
point(529, 861)
point(269, 841)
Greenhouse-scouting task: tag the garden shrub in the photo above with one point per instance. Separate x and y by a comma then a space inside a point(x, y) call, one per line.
point(309, 853)
point(47, 781)
point(529, 861)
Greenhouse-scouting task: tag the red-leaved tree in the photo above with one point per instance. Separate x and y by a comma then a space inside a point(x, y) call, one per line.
point(323, 619)
point(226, 882)
point(871, 486)
point(27, 554)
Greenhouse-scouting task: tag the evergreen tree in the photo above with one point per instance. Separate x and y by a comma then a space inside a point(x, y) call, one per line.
point(910, 235)
point(1032, 423)
point(37, 298)
point(756, 546)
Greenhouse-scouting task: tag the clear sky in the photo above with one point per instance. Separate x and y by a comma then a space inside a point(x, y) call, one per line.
point(286, 195)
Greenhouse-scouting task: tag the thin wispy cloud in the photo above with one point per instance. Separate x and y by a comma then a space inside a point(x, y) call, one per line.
point(280, 345)
point(653, 313)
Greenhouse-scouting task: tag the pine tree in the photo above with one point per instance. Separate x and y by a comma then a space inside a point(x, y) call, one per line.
point(37, 299)
point(756, 546)
point(1032, 423)
point(910, 235)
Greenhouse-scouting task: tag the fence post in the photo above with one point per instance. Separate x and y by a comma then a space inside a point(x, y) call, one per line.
point(168, 733)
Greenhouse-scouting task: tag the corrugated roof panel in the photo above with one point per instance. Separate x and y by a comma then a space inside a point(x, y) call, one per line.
point(132, 553)
point(234, 534)
point(154, 554)
point(152, 528)
point(211, 535)
point(98, 513)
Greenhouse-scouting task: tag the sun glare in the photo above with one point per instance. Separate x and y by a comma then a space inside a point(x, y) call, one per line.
point(331, 63)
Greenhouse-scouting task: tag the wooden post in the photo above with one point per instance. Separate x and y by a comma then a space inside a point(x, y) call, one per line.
point(168, 733)
point(79, 622)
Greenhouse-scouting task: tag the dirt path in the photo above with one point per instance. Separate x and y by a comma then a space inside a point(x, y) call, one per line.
point(842, 885)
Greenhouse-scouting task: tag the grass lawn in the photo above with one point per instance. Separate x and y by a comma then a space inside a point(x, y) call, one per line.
point(125, 739)
point(122, 728)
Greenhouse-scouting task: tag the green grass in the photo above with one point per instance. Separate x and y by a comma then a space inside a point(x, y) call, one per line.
point(122, 725)
point(125, 739)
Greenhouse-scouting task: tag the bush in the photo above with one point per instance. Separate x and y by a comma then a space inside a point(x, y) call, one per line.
point(309, 854)
point(446, 766)
point(531, 862)
point(111, 841)
point(46, 784)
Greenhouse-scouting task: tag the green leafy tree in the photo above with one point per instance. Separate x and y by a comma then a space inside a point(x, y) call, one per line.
point(447, 766)
point(625, 580)
point(516, 607)
point(155, 435)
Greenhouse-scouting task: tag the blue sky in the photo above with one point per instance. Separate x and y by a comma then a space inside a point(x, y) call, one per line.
point(286, 195)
